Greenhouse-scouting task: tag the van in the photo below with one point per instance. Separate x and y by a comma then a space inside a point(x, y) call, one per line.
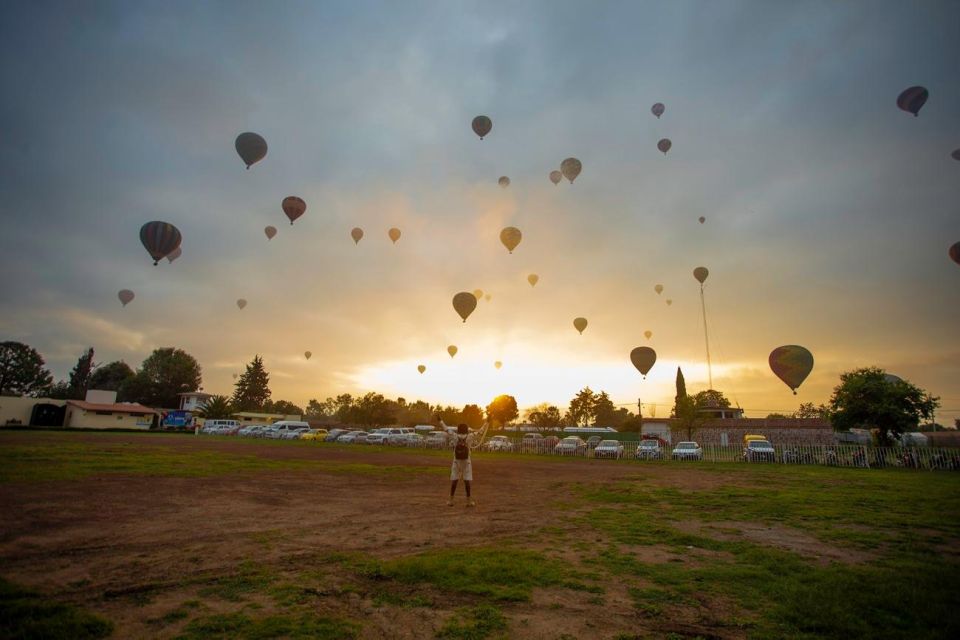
point(748, 438)
point(222, 427)
point(282, 427)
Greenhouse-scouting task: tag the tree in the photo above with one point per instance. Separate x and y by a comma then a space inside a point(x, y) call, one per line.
point(282, 407)
point(809, 410)
point(502, 410)
point(681, 388)
point(472, 416)
point(215, 408)
point(373, 409)
point(545, 417)
point(711, 399)
point(80, 376)
point(22, 371)
point(320, 410)
point(111, 376)
point(688, 415)
point(603, 412)
point(865, 398)
point(163, 374)
point(252, 390)
point(581, 407)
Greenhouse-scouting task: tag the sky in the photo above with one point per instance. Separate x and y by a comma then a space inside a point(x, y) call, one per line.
point(829, 211)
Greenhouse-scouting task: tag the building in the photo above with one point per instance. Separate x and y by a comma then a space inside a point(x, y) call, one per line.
point(727, 432)
point(193, 400)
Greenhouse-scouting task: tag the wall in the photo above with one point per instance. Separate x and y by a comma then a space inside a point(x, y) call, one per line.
point(17, 408)
point(77, 417)
point(788, 431)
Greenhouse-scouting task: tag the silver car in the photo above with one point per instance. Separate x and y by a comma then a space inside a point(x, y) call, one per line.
point(608, 449)
point(687, 451)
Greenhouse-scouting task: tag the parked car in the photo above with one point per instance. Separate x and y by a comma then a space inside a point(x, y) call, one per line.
point(377, 436)
point(759, 451)
point(549, 443)
point(412, 439)
point(437, 440)
point(295, 433)
point(649, 449)
point(532, 443)
point(353, 437)
point(498, 443)
point(687, 451)
point(282, 427)
point(608, 449)
point(219, 427)
point(571, 446)
point(397, 435)
point(334, 435)
point(316, 435)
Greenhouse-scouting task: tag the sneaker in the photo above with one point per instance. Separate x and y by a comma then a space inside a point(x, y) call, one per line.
point(471, 503)
point(450, 502)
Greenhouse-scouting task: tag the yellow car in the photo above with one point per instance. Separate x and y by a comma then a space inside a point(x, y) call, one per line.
point(314, 434)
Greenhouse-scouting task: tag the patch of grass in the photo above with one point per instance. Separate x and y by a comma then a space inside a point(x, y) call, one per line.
point(249, 579)
point(477, 623)
point(385, 597)
point(498, 574)
point(243, 627)
point(650, 601)
point(26, 615)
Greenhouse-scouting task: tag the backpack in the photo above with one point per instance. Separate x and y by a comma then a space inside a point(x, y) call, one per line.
point(462, 450)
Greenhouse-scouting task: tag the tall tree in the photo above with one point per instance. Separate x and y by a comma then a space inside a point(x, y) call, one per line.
point(111, 376)
point(22, 371)
point(810, 410)
point(866, 398)
point(681, 388)
point(472, 416)
point(604, 414)
point(581, 407)
point(252, 389)
point(545, 417)
point(80, 376)
point(711, 399)
point(373, 409)
point(502, 410)
point(689, 417)
point(163, 375)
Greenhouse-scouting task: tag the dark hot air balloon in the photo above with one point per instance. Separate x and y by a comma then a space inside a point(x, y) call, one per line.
point(702, 219)
point(658, 109)
point(307, 354)
point(251, 147)
point(421, 368)
point(571, 168)
point(533, 279)
point(452, 350)
point(126, 296)
point(956, 154)
point(912, 100)
point(270, 231)
point(792, 364)
point(510, 237)
point(556, 176)
point(357, 234)
point(294, 207)
point(241, 303)
point(643, 359)
point(482, 126)
point(580, 324)
point(504, 181)
point(664, 145)
point(955, 252)
point(701, 273)
point(159, 239)
point(394, 234)
point(464, 303)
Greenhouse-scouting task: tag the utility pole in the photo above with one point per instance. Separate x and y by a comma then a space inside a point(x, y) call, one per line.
point(706, 338)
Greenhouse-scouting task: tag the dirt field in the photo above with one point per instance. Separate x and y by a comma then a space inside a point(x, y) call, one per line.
point(151, 553)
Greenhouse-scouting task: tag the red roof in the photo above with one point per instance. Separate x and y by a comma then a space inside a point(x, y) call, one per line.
point(119, 407)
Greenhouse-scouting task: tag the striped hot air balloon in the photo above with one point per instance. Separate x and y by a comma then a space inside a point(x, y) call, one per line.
point(160, 239)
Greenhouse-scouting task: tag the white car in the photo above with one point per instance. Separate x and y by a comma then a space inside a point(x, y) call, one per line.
point(294, 434)
point(398, 435)
point(377, 436)
point(608, 449)
point(649, 449)
point(499, 443)
point(353, 437)
point(411, 440)
point(687, 451)
point(571, 446)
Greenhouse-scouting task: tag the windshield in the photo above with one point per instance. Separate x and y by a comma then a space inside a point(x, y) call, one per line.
point(649, 444)
point(687, 445)
point(608, 443)
point(760, 444)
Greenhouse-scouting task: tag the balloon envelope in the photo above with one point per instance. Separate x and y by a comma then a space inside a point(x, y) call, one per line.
point(394, 234)
point(556, 176)
point(421, 368)
point(580, 324)
point(510, 237)
point(648, 334)
point(270, 231)
point(955, 252)
point(956, 154)
point(487, 297)
point(126, 296)
point(241, 303)
point(482, 126)
point(357, 234)
point(294, 207)
point(504, 181)
point(452, 350)
point(912, 100)
point(669, 302)
point(658, 288)
point(498, 364)
point(643, 359)
point(159, 239)
point(702, 219)
point(533, 279)
point(664, 145)
point(307, 354)
point(658, 109)
point(478, 293)
point(570, 168)
point(701, 273)
point(464, 303)
point(173, 255)
point(251, 147)
point(792, 364)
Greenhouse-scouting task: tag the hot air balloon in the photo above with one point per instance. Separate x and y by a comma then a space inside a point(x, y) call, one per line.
point(421, 368)
point(251, 147)
point(664, 145)
point(556, 176)
point(478, 293)
point(504, 181)
point(307, 354)
point(270, 232)
point(173, 255)
point(658, 288)
point(357, 234)
point(294, 207)
point(570, 168)
point(669, 302)
point(956, 154)
point(510, 237)
point(792, 364)
point(487, 297)
point(643, 359)
point(580, 324)
point(464, 303)
point(955, 252)
point(701, 273)
point(533, 279)
point(912, 100)
point(241, 303)
point(658, 109)
point(159, 239)
point(394, 234)
point(648, 334)
point(702, 219)
point(482, 126)
point(126, 296)
point(498, 364)
point(452, 350)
